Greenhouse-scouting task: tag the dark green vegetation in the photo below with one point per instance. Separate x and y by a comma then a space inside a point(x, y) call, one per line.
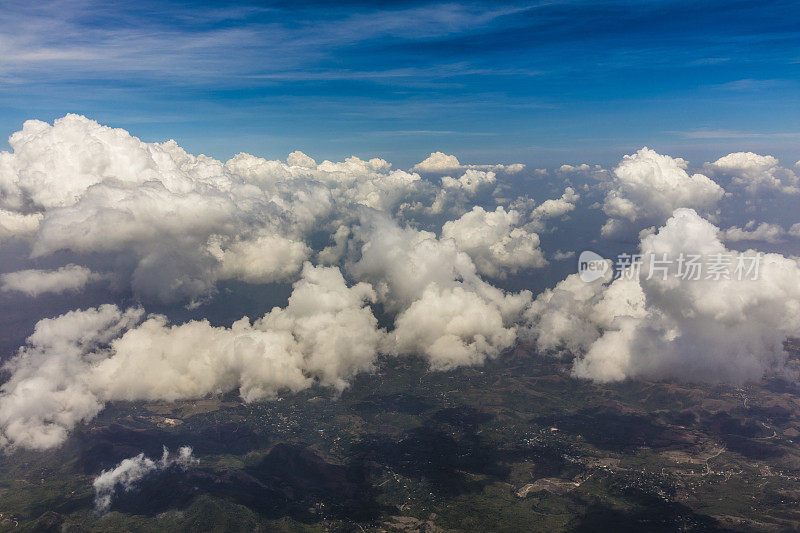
point(516, 445)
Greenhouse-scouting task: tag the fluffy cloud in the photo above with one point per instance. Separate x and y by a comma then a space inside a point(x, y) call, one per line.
point(36, 282)
point(98, 189)
point(48, 392)
point(18, 225)
point(757, 173)
point(574, 314)
point(262, 259)
point(401, 262)
point(557, 207)
point(326, 333)
point(181, 222)
point(171, 225)
point(751, 232)
point(439, 162)
point(132, 470)
point(583, 171)
point(452, 327)
point(415, 274)
point(457, 195)
point(583, 167)
point(647, 187)
point(471, 181)
point(667, 326)
point(75, 363)
point(494, 242)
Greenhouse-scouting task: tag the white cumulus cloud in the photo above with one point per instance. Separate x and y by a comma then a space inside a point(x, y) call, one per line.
point(130, 471)
point(182, 222)
point(35, 282)
point(452, 327)
point(494, 241)
point(439, 162)
point(757, 173)
point(557, 207)
point(76, 362)
point(647, 187)
point(168, 227)
point(764, 231)
point(664, 325)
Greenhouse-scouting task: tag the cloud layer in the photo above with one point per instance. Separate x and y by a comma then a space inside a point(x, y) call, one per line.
point(660, 324)
point(444, 253)
point(76, 362)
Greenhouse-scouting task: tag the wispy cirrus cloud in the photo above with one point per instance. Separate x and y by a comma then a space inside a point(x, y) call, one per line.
point(733, 134)
point(67, 39)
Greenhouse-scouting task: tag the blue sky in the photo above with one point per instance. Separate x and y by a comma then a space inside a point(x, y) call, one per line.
point(541, 83)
